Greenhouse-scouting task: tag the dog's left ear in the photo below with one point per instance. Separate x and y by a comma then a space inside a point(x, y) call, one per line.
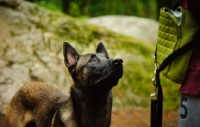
point(70, 55)
point(102, 49)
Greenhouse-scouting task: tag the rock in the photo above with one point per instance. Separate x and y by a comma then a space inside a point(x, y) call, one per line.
point(137, 27)
point(29, 51)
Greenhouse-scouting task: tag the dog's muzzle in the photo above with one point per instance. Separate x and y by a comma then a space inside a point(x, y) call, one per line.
point(117, 68)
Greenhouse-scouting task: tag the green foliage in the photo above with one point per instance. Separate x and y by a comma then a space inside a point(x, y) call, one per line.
point(74, 10)
point(135, 87)
point(93, 8)
point(3, 112)
point(52, 4)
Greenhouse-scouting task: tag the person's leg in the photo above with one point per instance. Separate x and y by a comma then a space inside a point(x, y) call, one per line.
point(189, 115)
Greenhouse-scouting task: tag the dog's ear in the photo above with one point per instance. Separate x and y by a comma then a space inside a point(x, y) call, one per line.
point(102, 49)
point(70, 55)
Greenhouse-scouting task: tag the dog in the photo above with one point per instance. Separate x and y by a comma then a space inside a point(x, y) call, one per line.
point(89, 104)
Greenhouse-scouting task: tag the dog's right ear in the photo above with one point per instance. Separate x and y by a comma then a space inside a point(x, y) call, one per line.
point(70, 55)
point(101, 49)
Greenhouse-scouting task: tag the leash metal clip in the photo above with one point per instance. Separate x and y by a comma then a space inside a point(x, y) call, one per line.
point(154, 94)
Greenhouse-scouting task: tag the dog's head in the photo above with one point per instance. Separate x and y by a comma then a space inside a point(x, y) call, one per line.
point(92, 69)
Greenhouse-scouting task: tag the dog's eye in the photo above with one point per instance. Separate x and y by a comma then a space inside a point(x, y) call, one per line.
point(92, 61)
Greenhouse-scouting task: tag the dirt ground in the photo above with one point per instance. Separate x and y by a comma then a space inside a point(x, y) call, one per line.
point(141, 118)
point(132, 118)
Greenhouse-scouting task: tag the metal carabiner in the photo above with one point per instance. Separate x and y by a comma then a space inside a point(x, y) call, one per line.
point(154, 94)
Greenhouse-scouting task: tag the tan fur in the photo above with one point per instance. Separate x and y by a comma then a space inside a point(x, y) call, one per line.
point(28, 96)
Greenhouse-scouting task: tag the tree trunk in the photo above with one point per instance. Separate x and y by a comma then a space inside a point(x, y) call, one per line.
point(66, 6)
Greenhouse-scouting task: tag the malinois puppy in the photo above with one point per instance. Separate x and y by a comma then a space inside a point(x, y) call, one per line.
point(90, 101)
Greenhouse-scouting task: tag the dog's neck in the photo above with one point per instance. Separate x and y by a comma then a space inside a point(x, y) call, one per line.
point(91, 108)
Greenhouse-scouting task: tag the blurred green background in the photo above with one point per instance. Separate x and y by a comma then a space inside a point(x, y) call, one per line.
point(93, 8)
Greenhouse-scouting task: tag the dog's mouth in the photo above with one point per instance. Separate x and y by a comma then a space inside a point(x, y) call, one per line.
point(111, 76)
point(117, 73)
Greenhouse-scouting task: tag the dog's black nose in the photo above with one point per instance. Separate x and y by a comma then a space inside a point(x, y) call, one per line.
point(117, 61)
